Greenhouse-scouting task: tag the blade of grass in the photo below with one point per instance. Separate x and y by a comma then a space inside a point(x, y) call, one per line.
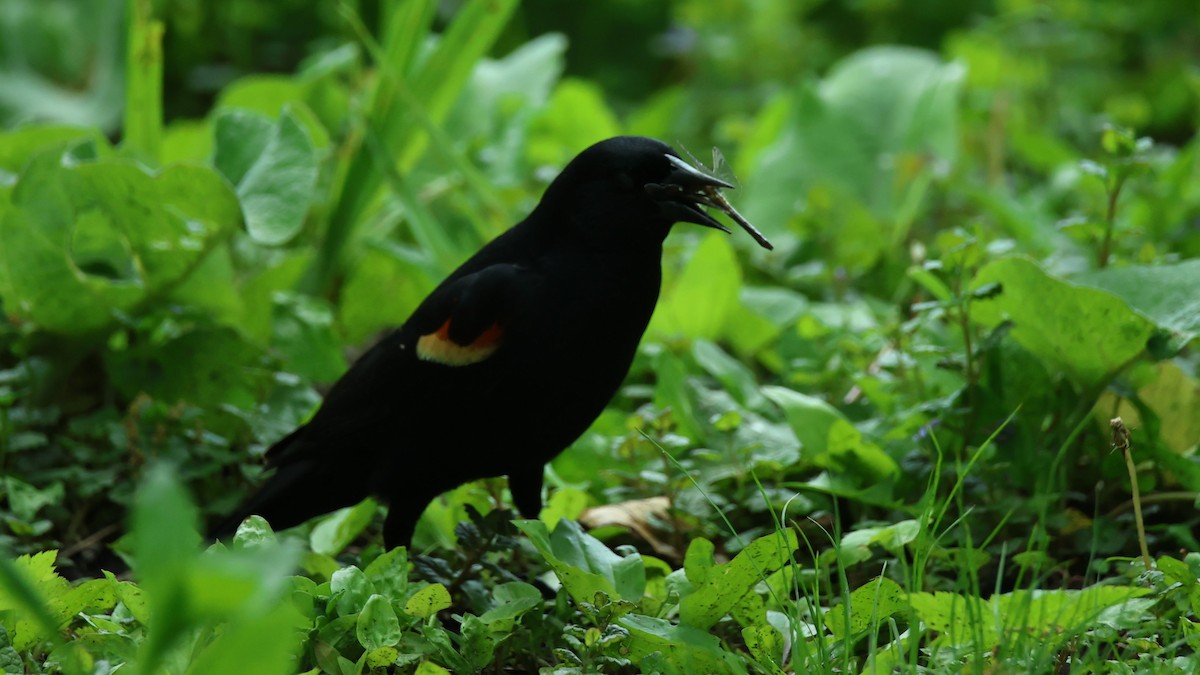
point(143, 82)
point(437, 83)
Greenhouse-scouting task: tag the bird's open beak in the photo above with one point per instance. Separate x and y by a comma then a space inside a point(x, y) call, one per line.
point(687, 188)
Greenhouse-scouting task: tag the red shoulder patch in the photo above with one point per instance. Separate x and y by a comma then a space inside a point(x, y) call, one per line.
point(439, 348)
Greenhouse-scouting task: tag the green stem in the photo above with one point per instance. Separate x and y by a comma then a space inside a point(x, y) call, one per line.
point(1110, 219)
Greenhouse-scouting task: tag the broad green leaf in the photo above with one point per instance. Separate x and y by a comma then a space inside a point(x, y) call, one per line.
point(686, 649)
point(584, 565)
point(264, 644)
point(81, 242)
point(28, 588)
point(870, 605)
point(389, 574)
point(829, 440)
point(478, 646)
point(19, 145)
point(266, 95)
point(761, 315)
point(304, 336)
point(1085, 332)
point(737, 379)
point(186, 140)
point(377, 624)
point(512, 600)
point(364, 310)
point(1058, 613)
point(205, 366)
point(25, 500)
point(699, 302)
point(132, 597)
point(1174, 397)
point(855, 546)
point(576, 116)
point(874, 130)
point(516, 85)
point(564, 504)
point(1164, 293)
point(350, 588)
point(241, 136)
point(254, 531)
point(428, 601)
point(721, 587)
point(382, 657)
point(958, 618)
point(277, 188)
point(212, 288)
point(430, 668)
point(766, 645)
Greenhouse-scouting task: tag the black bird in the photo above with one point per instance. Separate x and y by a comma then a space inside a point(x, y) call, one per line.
point(509, 359)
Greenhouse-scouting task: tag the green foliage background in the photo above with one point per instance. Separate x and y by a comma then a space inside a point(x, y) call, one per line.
point(884, 445)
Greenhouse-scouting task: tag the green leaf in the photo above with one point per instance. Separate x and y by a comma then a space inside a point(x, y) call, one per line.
point(277, 188)
point(478, 646)
point(80, 242)
point(207, 366)
point(165, 540)
point(855, 546)
point(428, 601)
point(1087, 333)
point(737, 379)
point(1058, 613)
point(564, 504)
point(430, 668)
point(305, 337)
point(1164, 293)
point(389, 574)
point(576, 116)
point(27, 587)
point(766, 644)
point(686, 649)
point(350, 589)
point(881, 122)
point(869, 605)
point(19, 145)
point(25, 500)
point(240, 138)
point(377, 624)
point(829, 440)
point(512, 599)
point(719, 588)
point(364, 310)
point(266, 95)
point(263, 644)
point(699, 302)
point(253, 532)
point(584, 565)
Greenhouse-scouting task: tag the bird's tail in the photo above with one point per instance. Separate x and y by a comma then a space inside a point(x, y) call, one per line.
point(294, 493)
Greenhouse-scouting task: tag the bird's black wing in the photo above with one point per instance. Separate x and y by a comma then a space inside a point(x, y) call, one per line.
point(463, 324)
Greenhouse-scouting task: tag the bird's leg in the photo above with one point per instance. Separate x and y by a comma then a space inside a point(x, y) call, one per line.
point(403, 512)
point(525, 484)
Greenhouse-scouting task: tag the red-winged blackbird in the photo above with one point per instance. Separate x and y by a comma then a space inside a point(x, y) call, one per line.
point(510, 359)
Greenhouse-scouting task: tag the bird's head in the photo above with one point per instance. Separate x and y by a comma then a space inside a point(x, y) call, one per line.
point(634, 188)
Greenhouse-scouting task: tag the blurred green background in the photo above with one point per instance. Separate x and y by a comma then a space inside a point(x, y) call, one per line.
point(323, 164)
point(987, 223)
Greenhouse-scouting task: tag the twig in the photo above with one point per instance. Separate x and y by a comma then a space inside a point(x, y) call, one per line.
point(1120, 434)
